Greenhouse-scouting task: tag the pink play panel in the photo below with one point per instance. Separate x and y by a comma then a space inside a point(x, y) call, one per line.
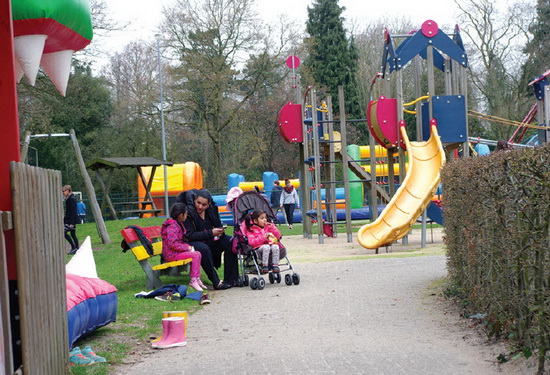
point(382, 121)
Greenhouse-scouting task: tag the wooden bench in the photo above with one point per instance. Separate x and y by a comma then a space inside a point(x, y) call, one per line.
point(153, 272)
point(141, 212)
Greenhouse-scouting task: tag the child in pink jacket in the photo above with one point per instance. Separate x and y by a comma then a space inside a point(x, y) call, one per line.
point(175, 247)
point(264, 237)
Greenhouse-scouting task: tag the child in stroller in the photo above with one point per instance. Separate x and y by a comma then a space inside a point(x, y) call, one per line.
point(264, 237)
point(242, 205)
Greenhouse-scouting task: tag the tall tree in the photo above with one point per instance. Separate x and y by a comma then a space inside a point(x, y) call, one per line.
point(496, 61)
point(86, 109)
point(538, 48)
point(332, 59)
point(222, 62)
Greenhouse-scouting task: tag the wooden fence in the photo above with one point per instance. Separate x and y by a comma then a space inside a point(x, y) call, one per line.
point(40, 254)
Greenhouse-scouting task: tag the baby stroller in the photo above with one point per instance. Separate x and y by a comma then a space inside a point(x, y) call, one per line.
point(248, 260)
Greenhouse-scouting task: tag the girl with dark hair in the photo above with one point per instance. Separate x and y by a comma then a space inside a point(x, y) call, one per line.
point(264, 237)
point(175, 245)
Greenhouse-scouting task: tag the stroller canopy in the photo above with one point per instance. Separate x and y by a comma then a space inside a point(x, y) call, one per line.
point(249, 201)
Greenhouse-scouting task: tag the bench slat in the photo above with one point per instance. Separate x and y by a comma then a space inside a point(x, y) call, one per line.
point(175, 263)
point(134, 202)
point(140, 211)
point(141, 253)
point(130, 235)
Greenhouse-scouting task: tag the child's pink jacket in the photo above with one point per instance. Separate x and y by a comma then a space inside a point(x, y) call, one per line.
point(173, 243)
point(256, 235)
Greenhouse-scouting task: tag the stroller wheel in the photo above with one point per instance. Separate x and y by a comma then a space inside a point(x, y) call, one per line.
point(296, 279)
point(245, 280)
point(240, 281)
point(288, 279)
point(271, 278)
point(254, 283)
point(278, 278)
point(261, 283)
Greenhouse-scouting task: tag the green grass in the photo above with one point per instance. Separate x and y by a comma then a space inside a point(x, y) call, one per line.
point(137, 319)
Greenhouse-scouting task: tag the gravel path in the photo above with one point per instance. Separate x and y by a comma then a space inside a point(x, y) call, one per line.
point(368, 316)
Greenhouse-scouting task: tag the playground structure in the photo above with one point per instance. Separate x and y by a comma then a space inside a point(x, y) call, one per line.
point(385, 117)
point(436, 61)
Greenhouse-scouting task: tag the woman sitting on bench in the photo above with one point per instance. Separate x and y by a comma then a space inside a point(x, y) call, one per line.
point(206, 233)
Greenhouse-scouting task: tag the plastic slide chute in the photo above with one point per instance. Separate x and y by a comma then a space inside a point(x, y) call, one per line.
point(415, 193)
point(47, 33)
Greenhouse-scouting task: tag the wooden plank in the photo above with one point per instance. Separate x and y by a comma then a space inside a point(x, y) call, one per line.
point(140, 211)
point(134, 202)
point(41, 268)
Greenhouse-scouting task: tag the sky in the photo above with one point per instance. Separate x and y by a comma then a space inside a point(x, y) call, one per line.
point(144, 15)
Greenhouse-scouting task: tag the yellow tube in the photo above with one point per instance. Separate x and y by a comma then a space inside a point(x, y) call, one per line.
point(365, 152)
point(247, 186)
point(382, 169)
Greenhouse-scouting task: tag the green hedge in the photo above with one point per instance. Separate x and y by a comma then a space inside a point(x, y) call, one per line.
point(497, 220)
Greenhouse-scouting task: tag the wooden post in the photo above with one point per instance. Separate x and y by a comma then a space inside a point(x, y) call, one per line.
point(316, 165)
point(106, 189)
point(25, 147)
point(99, 223)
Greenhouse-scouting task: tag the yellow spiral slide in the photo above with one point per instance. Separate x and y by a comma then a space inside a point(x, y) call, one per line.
point(413, 196)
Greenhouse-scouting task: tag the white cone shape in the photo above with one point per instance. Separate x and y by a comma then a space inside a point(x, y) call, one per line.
point(18, 71)
point(57, 66)
point(83, 262)
point(28, 50)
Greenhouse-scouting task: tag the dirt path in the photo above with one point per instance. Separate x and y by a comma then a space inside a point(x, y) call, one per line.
point(371, 316)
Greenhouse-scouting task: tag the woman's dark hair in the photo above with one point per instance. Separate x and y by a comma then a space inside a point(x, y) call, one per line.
point(177, 209)
point(203, 193)
point(253, 215)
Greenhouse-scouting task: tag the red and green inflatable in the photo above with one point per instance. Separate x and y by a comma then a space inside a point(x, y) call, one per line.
point(47, 33)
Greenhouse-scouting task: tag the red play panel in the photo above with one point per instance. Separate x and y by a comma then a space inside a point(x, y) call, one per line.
point(290, 123)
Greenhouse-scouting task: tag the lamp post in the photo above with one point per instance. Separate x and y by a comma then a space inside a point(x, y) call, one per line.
point(166, 208)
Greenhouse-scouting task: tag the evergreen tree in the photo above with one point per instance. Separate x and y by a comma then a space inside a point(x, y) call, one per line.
point(538, 48)
point(332, 58)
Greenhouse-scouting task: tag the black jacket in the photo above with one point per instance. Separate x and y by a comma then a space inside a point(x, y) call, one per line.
point(71, 215)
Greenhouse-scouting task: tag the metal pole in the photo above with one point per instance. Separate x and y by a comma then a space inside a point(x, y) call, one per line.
point(166, 208)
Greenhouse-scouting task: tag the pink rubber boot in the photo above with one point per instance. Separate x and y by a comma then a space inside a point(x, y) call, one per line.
point(174, 334)
point(165, 329)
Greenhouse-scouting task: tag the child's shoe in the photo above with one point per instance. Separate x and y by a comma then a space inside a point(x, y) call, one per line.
point(199, 281)
point(265, 269)
point(76, 358)
point(88, 352)
point(275, 268)
point(195, 285)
